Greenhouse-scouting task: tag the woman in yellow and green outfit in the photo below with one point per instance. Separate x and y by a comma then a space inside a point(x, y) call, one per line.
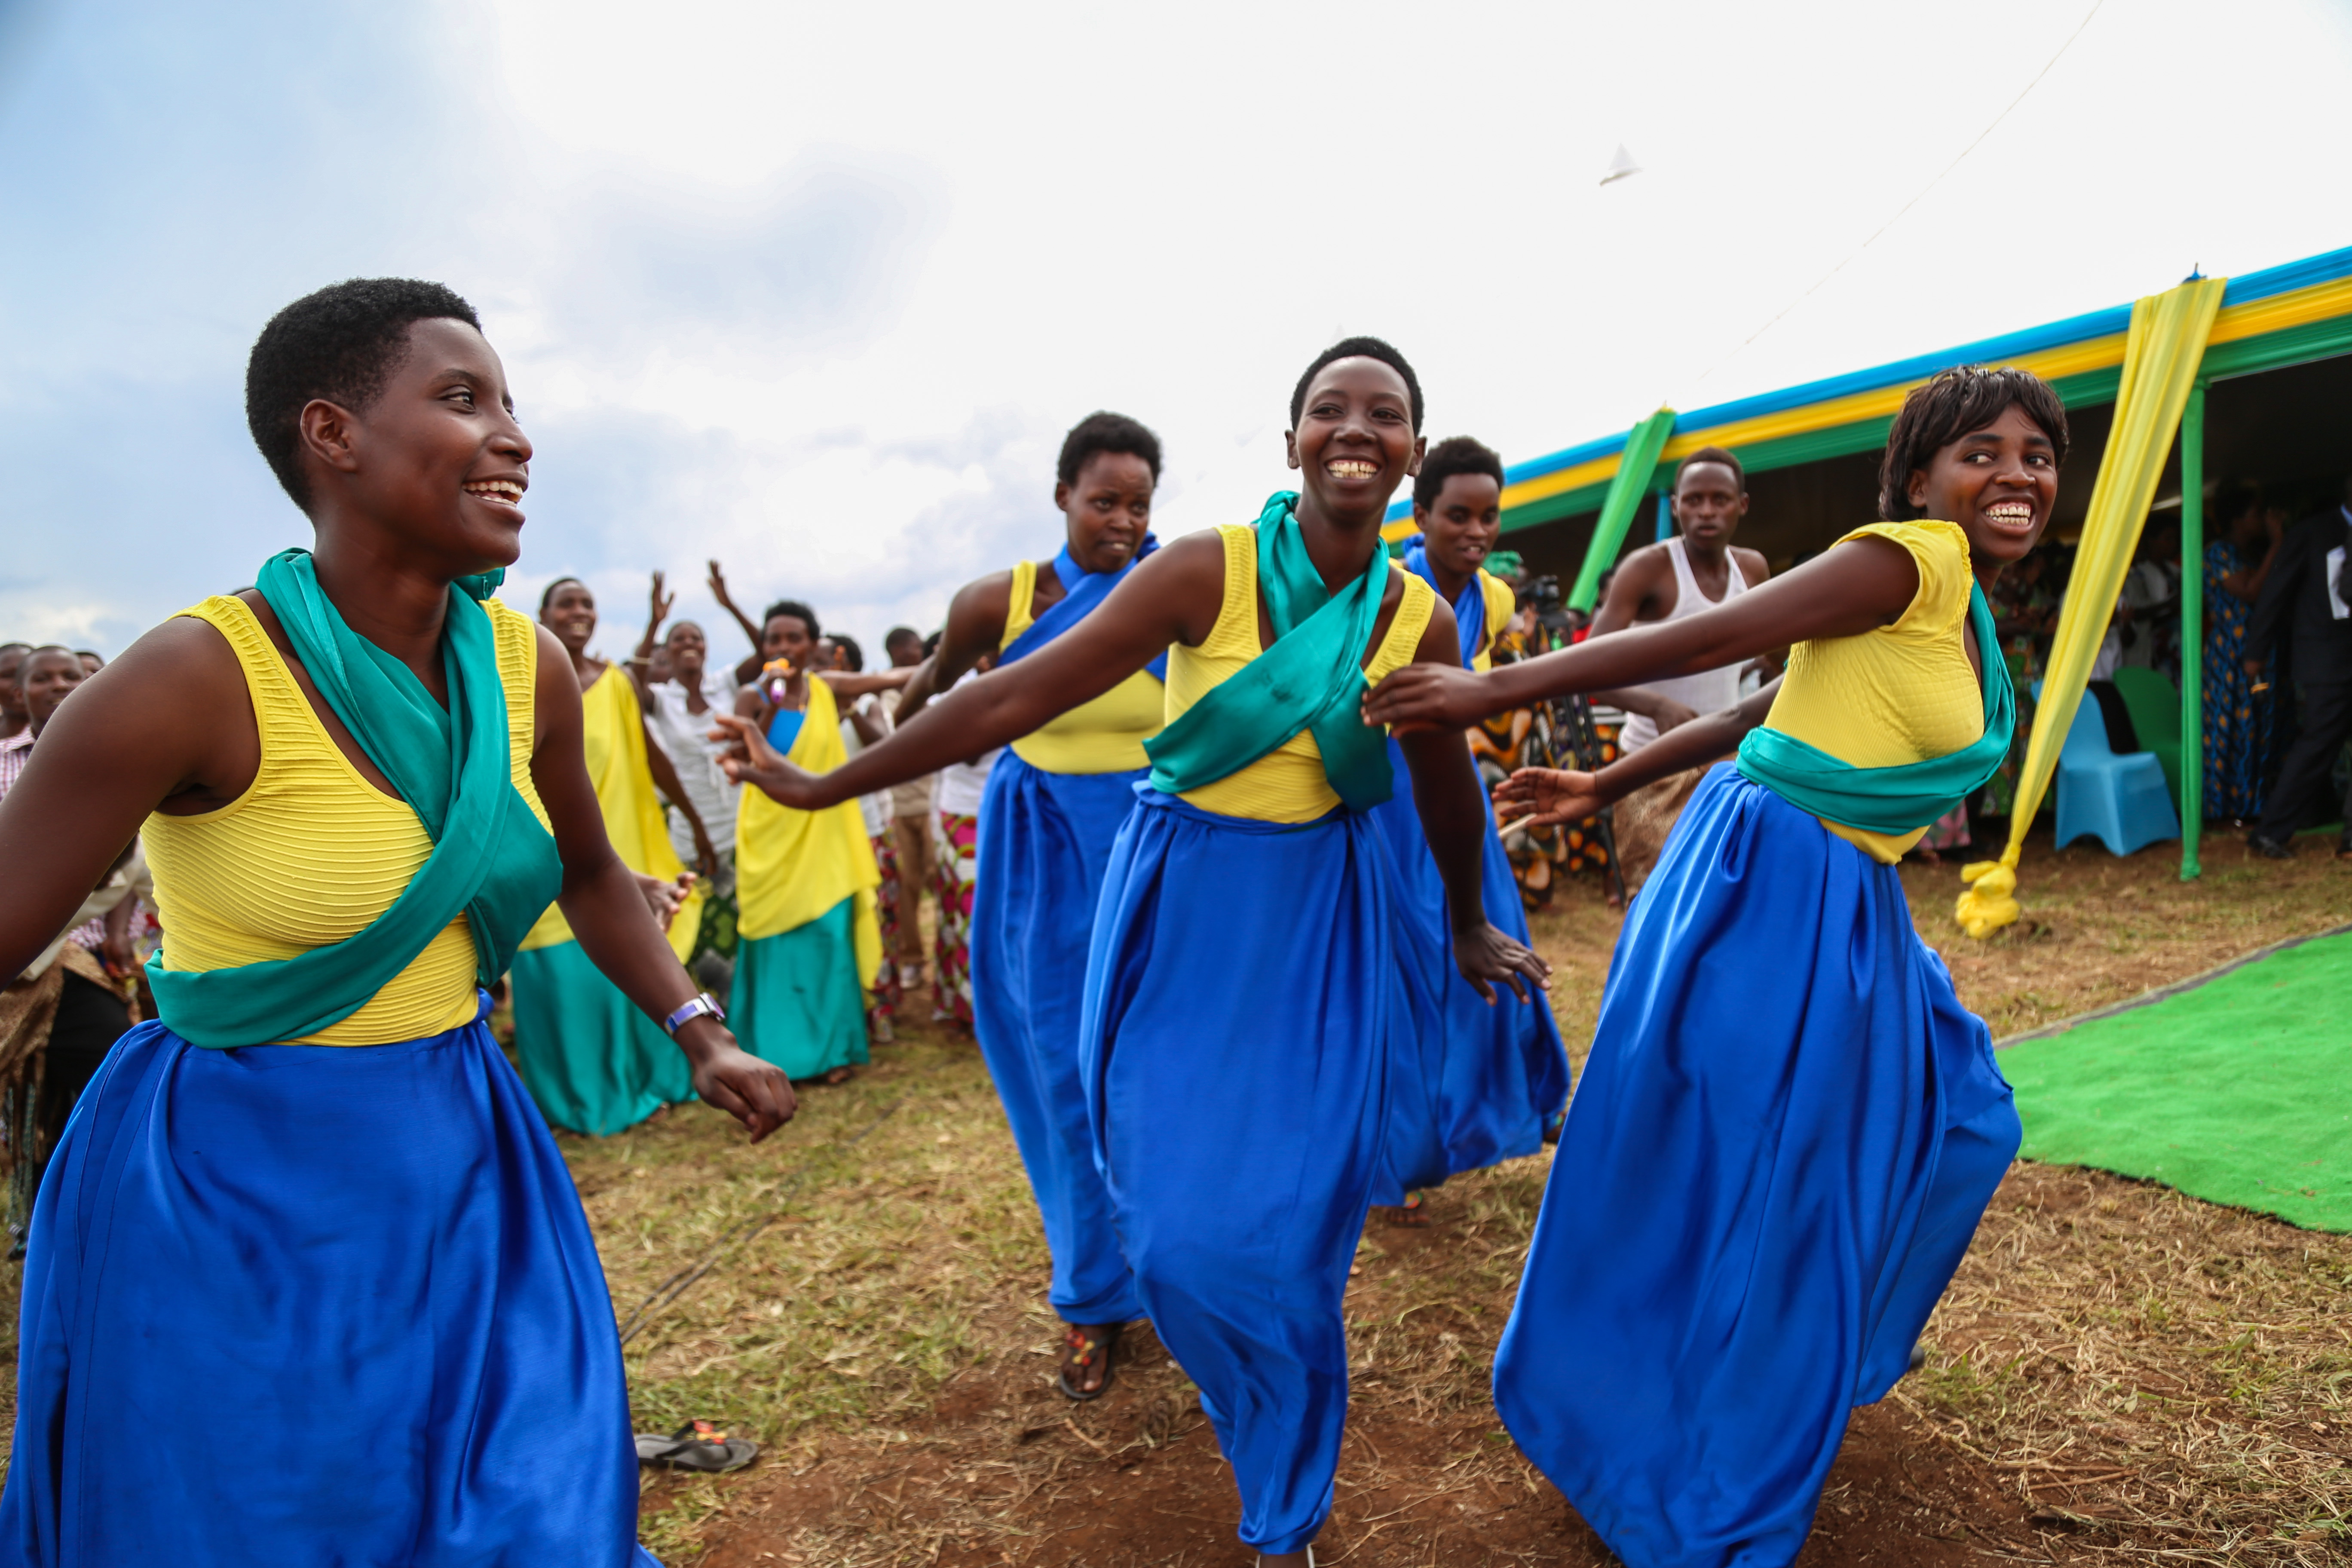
point(593, 1061)
point(310, 1212)
point(809, 930)
point(1234, 1030)
point(1787, 1127)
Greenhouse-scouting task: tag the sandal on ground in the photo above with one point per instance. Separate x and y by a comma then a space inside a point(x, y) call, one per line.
point(697, 1445)
point(1080, 1351)
point(1406, 1216)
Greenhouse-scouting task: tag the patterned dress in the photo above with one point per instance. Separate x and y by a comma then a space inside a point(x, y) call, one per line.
point(2237, 718)
point(954, 867)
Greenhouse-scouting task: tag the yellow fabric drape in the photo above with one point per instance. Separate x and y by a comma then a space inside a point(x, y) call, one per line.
point(2161, 354)
point(613, 739)
point(793, 866)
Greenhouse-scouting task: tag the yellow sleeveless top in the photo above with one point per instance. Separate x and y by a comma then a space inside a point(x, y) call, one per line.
point(1104, 736)
point(1900, 694)
point(312, 852)
point(1287, 784)
point(1501, 605)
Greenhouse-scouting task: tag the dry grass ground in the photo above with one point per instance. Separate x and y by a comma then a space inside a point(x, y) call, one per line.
point(2119, 1375)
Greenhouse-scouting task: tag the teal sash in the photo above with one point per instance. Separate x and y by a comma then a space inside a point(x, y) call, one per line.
point(491, 859)
point(1903, 798)
point(1312, 678)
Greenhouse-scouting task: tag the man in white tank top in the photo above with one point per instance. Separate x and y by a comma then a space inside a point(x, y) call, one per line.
point(1694, 571)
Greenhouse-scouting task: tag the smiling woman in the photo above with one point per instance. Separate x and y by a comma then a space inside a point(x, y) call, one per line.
point(1787, 1127)
point(313, 1197)
point(1241, 903)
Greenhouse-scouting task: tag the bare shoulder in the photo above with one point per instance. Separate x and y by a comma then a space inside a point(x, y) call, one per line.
point(185, 663)
point(1753, 567)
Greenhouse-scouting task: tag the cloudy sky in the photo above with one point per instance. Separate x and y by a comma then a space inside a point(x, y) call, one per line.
point(816, 289)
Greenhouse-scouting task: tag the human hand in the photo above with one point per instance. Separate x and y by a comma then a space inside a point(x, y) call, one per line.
point(705, 854)
point(665, 899)
point(1558, 796)
point(662, 603)
point(750, 758)
point(1484, 955)
point(1426, 697)
point(754, 1092)
point(718, 580)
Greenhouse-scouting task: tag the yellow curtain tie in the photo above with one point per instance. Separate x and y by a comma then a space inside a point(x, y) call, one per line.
point(1988, 903)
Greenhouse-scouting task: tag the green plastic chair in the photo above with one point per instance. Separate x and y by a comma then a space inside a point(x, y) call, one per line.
point(2154, 704)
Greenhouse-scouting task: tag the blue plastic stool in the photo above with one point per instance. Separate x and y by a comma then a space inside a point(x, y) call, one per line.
point(2120, 800)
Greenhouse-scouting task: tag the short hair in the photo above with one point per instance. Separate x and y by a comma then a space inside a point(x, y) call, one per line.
point(1949, 406)
point(1359, 348)
point(1454, 455)
point(15, 647)
point(851, 653)
point(548, 596)
point(795, 609)
point(898, 634)
point(31, 653)
point(342, 343)
point(1105, 432)
point(1723, 455)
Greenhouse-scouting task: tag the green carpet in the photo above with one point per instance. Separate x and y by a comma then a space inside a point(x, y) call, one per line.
point(2237, 1089)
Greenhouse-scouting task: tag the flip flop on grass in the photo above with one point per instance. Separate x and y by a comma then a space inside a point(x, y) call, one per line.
point(697, 1445)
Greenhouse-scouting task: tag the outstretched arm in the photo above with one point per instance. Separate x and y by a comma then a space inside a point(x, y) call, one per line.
point(1557, 795)
point(608, 913)
point(661, 605)
point(1860, 586)
point(749, 666)
point(1171, 597)
point(1454, 820)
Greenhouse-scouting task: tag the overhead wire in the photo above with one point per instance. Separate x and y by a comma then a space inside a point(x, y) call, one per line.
point(1819, 283)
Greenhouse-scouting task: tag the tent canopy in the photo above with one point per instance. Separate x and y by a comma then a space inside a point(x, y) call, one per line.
point(2290, 316)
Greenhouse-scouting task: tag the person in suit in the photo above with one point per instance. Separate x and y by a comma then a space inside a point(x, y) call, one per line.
point(2308, 598)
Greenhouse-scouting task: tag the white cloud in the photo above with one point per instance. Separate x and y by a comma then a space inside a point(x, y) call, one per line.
point(817, 288)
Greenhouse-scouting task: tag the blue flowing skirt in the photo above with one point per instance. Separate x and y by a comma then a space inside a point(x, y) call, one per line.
point(1781, 1144)
point(1233, 1047)
point(1045, 844)
point(307, 1304)
point(1469, 1084)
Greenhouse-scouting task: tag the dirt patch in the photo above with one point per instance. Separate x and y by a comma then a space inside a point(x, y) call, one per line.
point(1005, 1471)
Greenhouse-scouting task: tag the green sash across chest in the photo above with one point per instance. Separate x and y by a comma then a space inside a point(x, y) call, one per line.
point(491, 860)
point(1906, 797)
point(1311, 678)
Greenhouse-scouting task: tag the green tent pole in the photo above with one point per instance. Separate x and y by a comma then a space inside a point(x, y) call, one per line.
point(1643, 444)
point(2192, 630)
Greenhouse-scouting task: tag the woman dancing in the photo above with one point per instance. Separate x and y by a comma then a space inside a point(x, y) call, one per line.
point(592, 1060)
point(809, 930)
point(1233, 1036)
point(307, 1279)
point(1051, 808)
point(1789, 1127)
point(1470, 1084)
